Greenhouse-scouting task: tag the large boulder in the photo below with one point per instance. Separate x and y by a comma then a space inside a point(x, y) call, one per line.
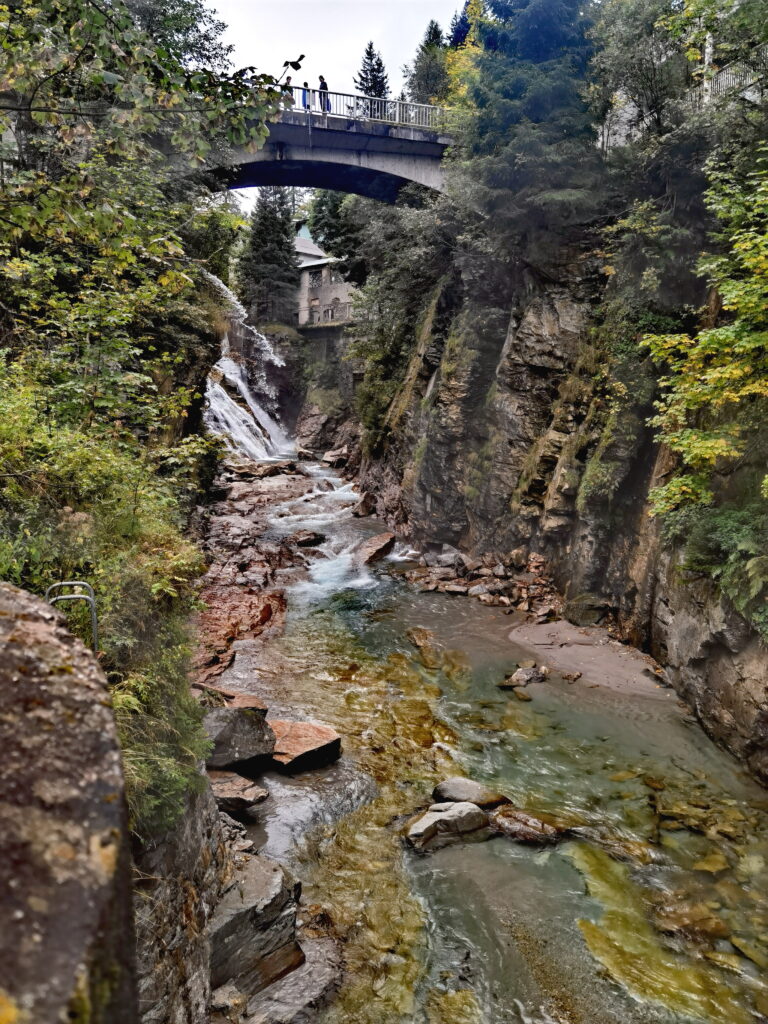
point(445, 820)
point(376, 547)
point(234, 793)
point(366, 506)
point(303, 745)
point(239, 731)
point(337, 458)
point(460, 790)
point(252, 933)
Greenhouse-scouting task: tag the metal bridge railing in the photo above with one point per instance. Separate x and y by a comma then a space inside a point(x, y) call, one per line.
point(738, 77)
point(369, 108)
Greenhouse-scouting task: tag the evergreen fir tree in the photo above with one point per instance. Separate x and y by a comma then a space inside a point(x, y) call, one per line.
point(373, 79)
point(533, 138)
point(427, 77)
point(267, 271)
point(459, 29)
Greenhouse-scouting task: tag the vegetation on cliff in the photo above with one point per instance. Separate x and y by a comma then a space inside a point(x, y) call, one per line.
point(596, 137)
point(107, 329)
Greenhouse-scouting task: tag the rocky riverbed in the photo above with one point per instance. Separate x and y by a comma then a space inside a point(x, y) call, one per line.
point(617, 873)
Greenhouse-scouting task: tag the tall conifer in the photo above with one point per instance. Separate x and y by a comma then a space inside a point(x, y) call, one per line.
point(267, 272)
point(372, 79)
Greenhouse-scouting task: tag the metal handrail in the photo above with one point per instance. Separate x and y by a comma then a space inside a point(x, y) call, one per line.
point(734, 77)
point(89, 598)
point(368, 108)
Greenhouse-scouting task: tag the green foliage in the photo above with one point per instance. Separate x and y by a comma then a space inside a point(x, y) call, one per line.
point(187, 29)
point(728, 542)
point(372, 78)
point(639, 65)
point(267, 268)
point(211, 234)
point(76, 504)
point(716, 383)
point(534, 161)
point(427, 78)
point(107, 328)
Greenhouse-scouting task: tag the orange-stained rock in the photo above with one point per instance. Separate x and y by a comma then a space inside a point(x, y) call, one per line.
point(376, 547)
point(302, 745)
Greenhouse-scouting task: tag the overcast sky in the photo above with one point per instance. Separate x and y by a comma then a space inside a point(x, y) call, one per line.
point(332, 34)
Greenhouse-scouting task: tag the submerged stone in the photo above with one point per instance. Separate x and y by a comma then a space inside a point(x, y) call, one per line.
point(460, 790)
point(524, 827)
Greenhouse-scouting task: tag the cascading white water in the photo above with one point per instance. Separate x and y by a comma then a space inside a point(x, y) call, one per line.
point(251, 431)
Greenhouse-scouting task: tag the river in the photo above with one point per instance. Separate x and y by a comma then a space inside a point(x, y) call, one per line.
point(652, 909)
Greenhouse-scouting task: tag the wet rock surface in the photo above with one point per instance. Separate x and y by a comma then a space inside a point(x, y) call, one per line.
point(525, 827)
point(238, 731)
point(445, 820)
point(66, 935)
point(303, 745)
point(375, 548)
point(252, 931)
point(460, 790)
point(234, 793)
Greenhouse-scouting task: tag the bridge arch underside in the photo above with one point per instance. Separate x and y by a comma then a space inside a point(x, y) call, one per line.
point(347, 155)
point(363, 181)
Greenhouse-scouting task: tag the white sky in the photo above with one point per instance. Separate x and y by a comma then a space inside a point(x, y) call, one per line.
point(332, 34)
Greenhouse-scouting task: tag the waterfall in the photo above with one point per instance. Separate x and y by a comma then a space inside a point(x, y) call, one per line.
point(250, 429)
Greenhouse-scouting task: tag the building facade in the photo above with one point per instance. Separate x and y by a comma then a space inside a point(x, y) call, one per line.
point(324, 296)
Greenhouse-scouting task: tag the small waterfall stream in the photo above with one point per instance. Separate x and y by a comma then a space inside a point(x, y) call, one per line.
point(247, 429)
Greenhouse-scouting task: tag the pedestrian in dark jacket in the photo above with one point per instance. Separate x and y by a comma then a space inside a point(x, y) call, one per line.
point(325, 103)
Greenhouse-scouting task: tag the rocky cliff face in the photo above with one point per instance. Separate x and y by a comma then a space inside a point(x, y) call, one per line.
point(65, 871)
point(503, 438)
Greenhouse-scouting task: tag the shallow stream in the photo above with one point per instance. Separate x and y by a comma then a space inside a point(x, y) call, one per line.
point(656, 908)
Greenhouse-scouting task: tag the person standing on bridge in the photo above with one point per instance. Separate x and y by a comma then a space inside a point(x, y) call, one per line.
point(325, 103)
point(305, 97)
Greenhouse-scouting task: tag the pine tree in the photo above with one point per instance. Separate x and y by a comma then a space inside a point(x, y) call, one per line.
point(427, 77)
point(267, 271)
point(533, 136)
point(372, 79)
point(459, 30)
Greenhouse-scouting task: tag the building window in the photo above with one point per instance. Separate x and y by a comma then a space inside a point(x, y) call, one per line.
point(336, 277)
point(315, 279)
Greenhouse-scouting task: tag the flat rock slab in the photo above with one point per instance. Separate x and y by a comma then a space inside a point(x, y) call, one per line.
point(303, 745)
point(524, 827)
point(299, 996)
point(592, 652)
point(446, 819)
point(376, 547)
point(460, 790)
point(238, 731)
point(235, 794)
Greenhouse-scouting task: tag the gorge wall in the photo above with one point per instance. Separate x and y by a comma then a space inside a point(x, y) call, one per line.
point(505, 436)
point(65, 867)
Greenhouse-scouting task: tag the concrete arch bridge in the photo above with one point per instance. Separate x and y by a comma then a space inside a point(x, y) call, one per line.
point(370, 146)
